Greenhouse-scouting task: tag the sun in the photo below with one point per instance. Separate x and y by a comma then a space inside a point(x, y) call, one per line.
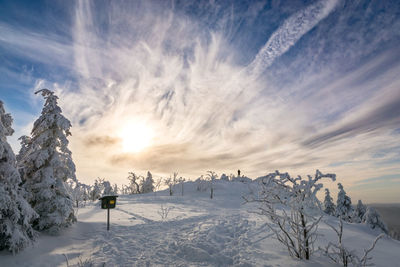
point(135, 136)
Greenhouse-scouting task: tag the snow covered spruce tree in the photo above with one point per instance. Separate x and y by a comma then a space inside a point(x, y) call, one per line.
point(16, 214)
point(344, 209)
point(292, 206)
point(359, 212)
point(329, 207)
point(47, 166)
point(373, 219)
point(26, 145)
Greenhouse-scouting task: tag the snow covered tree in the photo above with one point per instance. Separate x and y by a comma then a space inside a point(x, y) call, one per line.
point(107, 189)
point(26, 145)
point(157, 184)
point(329, 207)
point(125, 190)
point(47, 167)
point(211, 176)
point(292, 206)
point(224, 177)
point(115, 189)
point(373, 219)
point(76, 192)
point(147, 184)
point(95, 191)
point(201, 184)
point(359, 212)
point(181, 181)
point(344, 208)
point(134, 187)
point(171, 182)
point(16, 214)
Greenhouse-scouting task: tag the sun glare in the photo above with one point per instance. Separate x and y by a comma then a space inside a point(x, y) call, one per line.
point(135, 136)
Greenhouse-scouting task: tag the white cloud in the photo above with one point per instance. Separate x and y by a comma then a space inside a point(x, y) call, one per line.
point(206, 110)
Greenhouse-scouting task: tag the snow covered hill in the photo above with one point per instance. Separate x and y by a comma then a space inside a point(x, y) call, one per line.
point(197, 231)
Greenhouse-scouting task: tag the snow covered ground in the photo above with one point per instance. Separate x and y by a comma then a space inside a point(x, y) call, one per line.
point(198, 231)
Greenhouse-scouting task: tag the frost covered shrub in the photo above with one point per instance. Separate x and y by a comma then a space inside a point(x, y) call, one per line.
point(293, 209)
point(181, 181)
point(211, 176)
point(373, 219)
point(16, 214)
point(147, 185)
point(108, 190)
point(76, 190)
point(344, 209)
point(96, 190)
point(341, 254)
point(224, 177)
point(171, 182)
point(202, 184)
point(47, 165)
point(329, 207)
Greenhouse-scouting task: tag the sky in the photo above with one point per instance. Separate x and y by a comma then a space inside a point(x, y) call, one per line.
point(192, 86)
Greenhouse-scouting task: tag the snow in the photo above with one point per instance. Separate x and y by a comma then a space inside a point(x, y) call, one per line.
point(198, 231)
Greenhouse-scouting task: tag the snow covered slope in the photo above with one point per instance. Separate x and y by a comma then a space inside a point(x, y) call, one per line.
point(198, 231)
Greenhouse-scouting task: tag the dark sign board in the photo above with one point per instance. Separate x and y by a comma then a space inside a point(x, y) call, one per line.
point(108, 202)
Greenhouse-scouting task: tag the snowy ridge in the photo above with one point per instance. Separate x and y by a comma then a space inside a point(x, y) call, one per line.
point(198, 231)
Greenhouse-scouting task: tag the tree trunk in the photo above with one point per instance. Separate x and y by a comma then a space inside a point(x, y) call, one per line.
point(305, 237)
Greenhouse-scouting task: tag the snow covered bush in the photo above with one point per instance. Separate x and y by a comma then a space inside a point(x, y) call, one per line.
point(342, 255)
point(201, 184)
point(76, 191)
point(108, 190)
point(96, 190)
point(47, 166)
point(359, 212)
point(171, 182)
point(125, 190)
point(16, 214)
point(292, 206)
point(344, 209)
point(157, 184)
point(163, 212)
point(224, 177)
point(329, 207)
point(115, 189)
point(181, 181)
point(147, 185)
point(211, 176)
point(373, 219)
